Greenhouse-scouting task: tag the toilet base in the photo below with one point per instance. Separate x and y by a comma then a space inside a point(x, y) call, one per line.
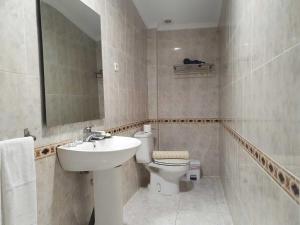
point(162, 186)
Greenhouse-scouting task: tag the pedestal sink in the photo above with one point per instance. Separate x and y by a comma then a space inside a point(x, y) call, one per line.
point(104, 158)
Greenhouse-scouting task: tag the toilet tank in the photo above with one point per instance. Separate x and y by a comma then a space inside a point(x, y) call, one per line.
point(144, 153)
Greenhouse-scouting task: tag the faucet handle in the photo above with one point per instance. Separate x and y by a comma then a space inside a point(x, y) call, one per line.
point(88, 129)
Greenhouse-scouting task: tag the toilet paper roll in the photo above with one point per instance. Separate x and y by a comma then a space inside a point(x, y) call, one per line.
point(147, 128)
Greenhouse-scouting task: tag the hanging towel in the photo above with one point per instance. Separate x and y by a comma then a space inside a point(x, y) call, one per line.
point(170, 155)
point(18, 182)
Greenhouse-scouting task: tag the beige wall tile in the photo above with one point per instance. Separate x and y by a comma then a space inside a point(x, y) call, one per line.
point(259, 63)
point(200, 140)
point(184, 98)
point(13, 57)
point(60, 194)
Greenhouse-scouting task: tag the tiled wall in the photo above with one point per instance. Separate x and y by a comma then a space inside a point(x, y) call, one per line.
point(170, 97)
point(190, 97)
point(259, 97)
point(70, 62)
point(201, 140)
point(66, 198)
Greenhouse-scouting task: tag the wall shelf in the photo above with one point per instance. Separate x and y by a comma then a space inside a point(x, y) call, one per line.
point(194, 70)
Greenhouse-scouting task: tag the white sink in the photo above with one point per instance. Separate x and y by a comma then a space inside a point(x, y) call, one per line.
point(104, 158)
point(99, 155)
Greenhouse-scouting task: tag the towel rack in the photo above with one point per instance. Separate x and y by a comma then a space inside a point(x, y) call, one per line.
point(201, 70)
point(27, 134)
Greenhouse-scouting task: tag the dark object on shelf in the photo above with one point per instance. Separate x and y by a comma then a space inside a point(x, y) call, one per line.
point(188, 61)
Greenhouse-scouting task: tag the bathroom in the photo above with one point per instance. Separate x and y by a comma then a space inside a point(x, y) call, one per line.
point(102, 101)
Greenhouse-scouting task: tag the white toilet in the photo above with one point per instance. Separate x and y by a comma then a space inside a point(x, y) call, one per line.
point(165, 174)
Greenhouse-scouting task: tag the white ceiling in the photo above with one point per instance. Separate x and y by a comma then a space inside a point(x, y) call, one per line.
point(184, 13)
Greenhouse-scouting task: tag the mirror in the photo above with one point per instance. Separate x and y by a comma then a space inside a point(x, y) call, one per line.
point(71, 61)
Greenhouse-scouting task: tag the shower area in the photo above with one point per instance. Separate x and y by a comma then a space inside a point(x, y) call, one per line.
point(240, 118)
point(183, 99)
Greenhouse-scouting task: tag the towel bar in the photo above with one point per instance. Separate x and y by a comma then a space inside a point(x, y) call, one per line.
point(27, 134)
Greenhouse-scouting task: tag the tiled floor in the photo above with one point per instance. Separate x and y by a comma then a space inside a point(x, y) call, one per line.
point(203, 205)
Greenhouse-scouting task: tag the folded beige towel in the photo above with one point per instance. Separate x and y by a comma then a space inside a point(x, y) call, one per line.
point(170, 155)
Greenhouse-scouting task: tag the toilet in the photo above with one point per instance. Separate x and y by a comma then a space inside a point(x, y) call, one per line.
point(165, 174)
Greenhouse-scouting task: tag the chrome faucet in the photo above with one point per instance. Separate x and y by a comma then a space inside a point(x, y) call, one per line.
point(90, 136)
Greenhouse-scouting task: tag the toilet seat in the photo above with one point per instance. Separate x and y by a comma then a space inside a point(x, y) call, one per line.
point(165, 175)
point(171, 162)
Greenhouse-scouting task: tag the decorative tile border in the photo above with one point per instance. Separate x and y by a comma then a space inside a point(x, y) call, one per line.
point(49, 150)
point(126, 127)
point(185, 120)
point(287, 181)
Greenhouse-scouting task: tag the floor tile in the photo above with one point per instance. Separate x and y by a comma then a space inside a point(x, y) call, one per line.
point(203, 205)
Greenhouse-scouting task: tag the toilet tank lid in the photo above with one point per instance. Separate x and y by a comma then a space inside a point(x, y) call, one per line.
point(142, 134)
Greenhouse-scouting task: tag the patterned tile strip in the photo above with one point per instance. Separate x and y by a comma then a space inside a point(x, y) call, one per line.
point(49, 150)
point(185, 120)
point(126, 127)
point(287, 181)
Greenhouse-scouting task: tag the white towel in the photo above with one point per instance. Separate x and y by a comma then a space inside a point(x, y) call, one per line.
point(18, 182)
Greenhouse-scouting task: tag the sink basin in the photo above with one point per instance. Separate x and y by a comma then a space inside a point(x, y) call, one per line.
point(104, 158)
point(99, 155)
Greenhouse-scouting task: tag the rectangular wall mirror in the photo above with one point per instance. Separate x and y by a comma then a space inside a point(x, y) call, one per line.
point(71, 61)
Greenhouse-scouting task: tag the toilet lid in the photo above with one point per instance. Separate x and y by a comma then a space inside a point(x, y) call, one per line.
point(171, 162)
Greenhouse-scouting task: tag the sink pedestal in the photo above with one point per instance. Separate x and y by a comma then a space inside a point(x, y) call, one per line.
point(108, 197)
point(104, 159)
